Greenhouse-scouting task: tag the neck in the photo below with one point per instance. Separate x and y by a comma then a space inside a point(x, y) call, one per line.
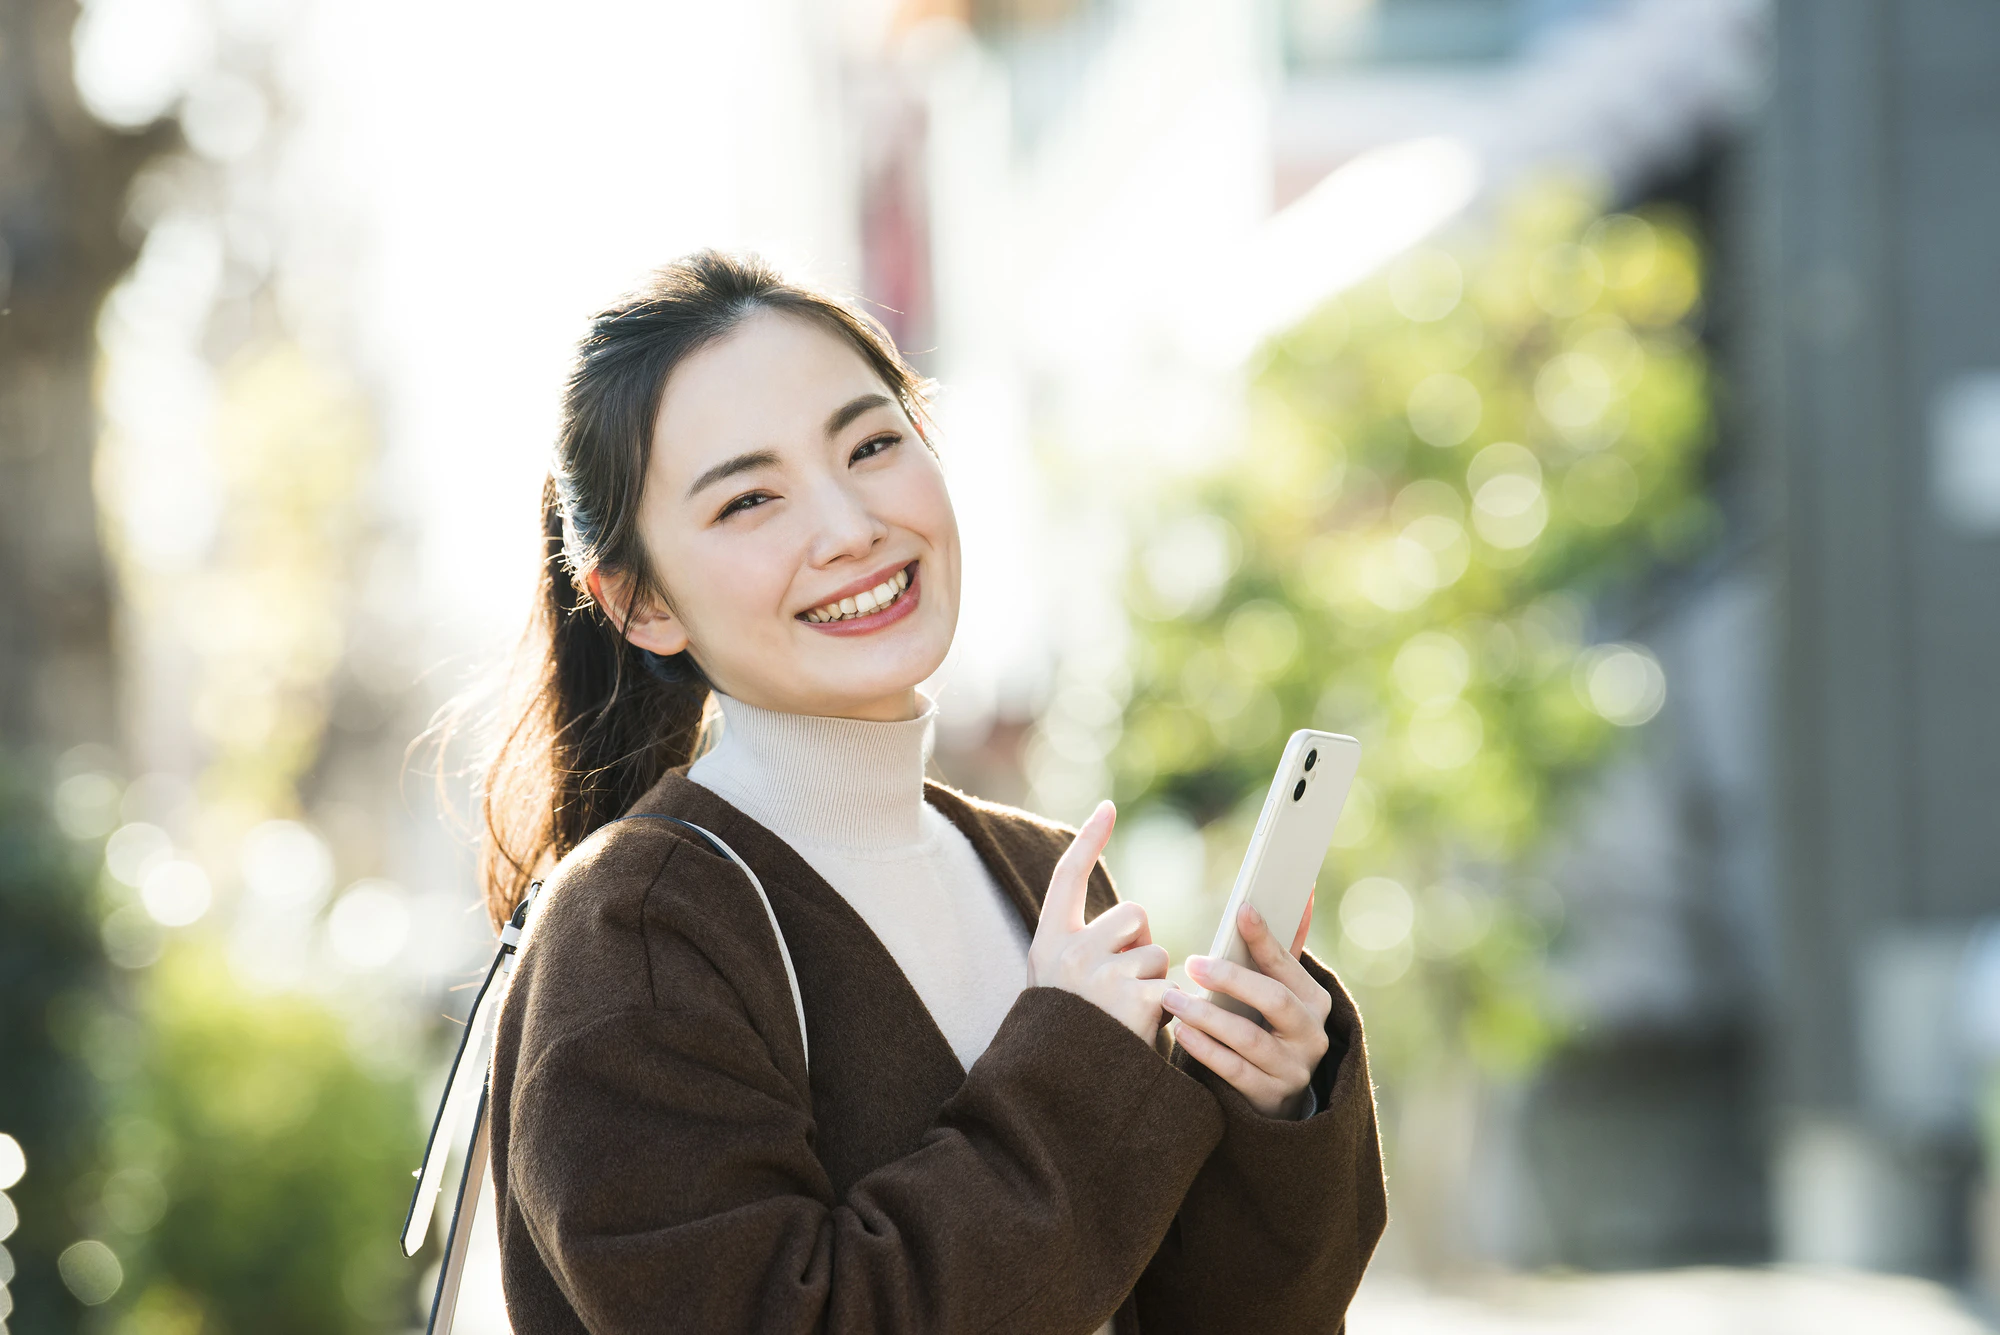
point(814, 778)
point(901, 707)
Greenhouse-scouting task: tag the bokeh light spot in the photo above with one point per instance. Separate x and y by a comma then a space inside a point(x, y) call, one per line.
point(87, 805)
point(1623, 682)
point(1453, 916)
point(134, 850)
point(1384, 581)
point(1510, 511)
point(1431, 666)
point(90, 1270)
point(1573, 391)
point(369, 925)
point(132, 939)
point(134, 1200)
point(176, 893)
point(1435, 547)
point(1426, 497)
point(285, 861)
point(1425, 285)
point(1444, 409)
point(1498, 459)
point(1376, 913)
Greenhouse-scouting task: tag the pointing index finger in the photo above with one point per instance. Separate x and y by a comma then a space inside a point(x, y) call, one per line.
point(1072, 874)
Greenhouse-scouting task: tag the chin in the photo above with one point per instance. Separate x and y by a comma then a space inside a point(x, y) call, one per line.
point(865, 683)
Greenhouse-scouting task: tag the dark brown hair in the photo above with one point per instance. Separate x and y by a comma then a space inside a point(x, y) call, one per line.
point(590, 720)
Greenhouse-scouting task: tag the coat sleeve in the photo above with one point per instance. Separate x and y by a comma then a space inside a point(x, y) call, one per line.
point(663, 1165)
point(1280, 1222)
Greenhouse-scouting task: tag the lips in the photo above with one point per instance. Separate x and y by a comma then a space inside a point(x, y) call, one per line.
point(863, 596)
point(907, 586)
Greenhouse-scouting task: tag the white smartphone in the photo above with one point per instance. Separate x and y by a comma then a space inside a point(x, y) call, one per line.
point(1293, 832)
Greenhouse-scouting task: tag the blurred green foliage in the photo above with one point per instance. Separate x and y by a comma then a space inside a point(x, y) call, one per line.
point(49, 957)
point(1446, 466)
point(256, 1168)
point(256, 1155)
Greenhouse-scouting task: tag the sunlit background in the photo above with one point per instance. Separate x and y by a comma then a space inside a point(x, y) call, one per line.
point(1592, 405)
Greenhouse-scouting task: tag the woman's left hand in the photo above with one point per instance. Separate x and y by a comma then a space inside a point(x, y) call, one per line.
point(1269, 1067)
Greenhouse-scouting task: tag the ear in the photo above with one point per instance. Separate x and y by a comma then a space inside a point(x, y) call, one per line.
point(651, 627)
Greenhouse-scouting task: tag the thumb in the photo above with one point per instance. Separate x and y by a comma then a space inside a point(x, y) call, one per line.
point(1063, 905)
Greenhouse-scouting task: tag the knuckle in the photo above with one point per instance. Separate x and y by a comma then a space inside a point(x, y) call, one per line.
point(1124, 917)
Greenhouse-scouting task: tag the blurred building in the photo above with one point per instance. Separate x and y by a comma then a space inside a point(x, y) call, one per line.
point(1875, 384)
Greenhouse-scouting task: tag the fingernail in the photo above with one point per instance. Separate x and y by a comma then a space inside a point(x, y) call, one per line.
point(1256, 918)
point(1174, 1000)
point(1197, 965)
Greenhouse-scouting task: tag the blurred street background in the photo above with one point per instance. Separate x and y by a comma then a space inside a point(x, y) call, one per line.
point(1592, 405)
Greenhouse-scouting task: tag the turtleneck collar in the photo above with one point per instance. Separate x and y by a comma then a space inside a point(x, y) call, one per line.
point(837, 782)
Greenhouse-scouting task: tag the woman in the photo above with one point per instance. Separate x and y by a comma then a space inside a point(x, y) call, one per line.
point(745, 503)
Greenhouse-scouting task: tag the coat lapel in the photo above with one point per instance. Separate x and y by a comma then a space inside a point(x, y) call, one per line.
point(881, 1067)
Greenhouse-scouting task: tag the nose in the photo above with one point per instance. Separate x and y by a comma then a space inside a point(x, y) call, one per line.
point(844, 525)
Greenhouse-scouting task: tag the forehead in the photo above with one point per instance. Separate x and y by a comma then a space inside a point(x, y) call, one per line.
point(769, 383)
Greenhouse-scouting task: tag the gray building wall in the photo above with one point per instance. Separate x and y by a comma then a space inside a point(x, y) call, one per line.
point(1877, 250)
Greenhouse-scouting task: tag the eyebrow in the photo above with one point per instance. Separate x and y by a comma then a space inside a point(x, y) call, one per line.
point(743, 463)
point(852, 409)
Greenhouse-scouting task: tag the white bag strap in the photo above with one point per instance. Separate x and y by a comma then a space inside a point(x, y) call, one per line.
point(791, 974)
point(460, 1087)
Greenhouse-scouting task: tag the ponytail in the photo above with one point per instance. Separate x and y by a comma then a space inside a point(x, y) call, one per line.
point(594, 727)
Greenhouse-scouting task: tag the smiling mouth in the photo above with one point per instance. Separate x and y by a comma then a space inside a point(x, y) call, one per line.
point(887, 594)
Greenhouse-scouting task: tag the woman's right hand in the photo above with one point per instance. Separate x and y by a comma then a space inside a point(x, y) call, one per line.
point(1111, 961)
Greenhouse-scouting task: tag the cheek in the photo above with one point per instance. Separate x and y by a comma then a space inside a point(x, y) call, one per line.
point(719, 579)
point(925, 504)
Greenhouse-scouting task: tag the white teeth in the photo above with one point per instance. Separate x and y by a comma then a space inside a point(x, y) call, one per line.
point(863, 603)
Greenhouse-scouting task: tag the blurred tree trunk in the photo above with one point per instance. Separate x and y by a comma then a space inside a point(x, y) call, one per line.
point(63, 182)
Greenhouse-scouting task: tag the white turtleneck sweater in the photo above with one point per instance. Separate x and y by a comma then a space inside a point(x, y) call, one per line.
point(848, 796)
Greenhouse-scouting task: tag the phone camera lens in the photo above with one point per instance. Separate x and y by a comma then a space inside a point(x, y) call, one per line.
point(1311, 756)
point(1299, 791)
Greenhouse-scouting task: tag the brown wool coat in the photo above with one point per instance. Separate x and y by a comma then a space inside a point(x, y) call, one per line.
point(662, 1162)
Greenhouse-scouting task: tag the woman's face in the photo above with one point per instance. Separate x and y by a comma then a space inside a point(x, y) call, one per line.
point(784, 477)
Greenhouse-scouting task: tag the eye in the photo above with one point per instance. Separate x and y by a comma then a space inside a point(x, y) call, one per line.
point(739, 504)
point(884, 441)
